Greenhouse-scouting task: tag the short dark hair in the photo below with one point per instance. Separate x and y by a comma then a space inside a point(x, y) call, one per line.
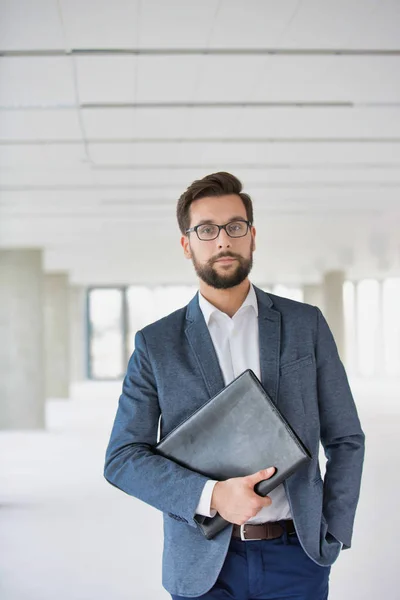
point(216, 184)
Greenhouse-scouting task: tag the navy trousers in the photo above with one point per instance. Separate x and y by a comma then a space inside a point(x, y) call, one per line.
point(268, 570)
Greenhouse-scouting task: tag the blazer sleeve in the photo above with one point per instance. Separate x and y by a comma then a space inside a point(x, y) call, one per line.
point(341, 436)
point(131, 463)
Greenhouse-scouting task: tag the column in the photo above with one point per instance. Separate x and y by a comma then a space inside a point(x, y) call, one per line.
point(22, 386)
point(313, 294)
point(78, 331)
point(57, 333)
point(334, 308)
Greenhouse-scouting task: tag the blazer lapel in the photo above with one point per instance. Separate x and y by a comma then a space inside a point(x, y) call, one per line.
point(269, 327)
point(201, 343)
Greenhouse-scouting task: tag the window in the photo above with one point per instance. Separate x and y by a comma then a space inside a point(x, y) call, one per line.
point(146, 304)
point(391, 325)
point(106, 348)
point(349, 308)
point(368, 317)
point(116, 314)
point(292, 292)
point(371, 313)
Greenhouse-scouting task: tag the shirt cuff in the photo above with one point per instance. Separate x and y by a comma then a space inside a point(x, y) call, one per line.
point(204, 505)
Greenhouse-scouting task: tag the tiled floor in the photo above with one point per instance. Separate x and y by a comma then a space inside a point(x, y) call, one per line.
point(66, 534)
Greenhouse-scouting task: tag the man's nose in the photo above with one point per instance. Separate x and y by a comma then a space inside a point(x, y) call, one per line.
point(224, 241)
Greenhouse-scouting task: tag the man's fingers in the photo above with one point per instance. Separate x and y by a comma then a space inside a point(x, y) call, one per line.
point(260, 475)
point(266, 501)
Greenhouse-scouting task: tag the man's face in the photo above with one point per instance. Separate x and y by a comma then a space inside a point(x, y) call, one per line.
point(224, 262)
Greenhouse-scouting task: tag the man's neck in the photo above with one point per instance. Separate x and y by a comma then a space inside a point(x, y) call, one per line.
point(228, 301)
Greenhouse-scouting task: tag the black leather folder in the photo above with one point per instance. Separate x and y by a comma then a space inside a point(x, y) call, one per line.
point(236, 433)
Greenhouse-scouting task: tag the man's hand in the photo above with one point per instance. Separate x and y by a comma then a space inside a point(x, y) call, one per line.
point(235, 499)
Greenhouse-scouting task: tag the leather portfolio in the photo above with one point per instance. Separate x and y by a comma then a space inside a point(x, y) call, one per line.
point(236, 433)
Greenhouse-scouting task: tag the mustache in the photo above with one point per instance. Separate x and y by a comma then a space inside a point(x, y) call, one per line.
point(225, 255)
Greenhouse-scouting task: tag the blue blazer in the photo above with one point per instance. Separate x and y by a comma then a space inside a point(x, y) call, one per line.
point(174, 370)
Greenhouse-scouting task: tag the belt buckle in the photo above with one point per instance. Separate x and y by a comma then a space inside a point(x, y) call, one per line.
point(242, 535)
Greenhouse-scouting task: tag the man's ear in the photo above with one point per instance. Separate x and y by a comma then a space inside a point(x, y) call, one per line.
point(253, 236)
point(186, 246)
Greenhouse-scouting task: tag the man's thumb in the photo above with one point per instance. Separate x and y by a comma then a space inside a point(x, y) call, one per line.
point(260, 475)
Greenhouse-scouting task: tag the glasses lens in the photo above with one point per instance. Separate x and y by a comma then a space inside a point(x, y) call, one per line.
point(207, 232)
point(237, 228)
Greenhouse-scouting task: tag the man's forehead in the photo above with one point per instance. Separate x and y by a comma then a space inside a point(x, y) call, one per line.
point(218, 207)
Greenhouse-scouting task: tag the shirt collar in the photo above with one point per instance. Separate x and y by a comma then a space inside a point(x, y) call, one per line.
point(209, 309)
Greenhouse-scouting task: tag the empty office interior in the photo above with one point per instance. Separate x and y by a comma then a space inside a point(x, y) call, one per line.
point(108, 111)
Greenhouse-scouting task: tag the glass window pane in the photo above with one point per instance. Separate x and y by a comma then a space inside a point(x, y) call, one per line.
point(368, 317)
point(146, 305)
point(141, 310)
point(349, 306)
point(391, 325)
point(106, 340)
point(292, 292)
point(170, 298)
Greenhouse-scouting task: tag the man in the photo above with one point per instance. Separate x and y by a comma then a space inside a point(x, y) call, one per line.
point(293, 536)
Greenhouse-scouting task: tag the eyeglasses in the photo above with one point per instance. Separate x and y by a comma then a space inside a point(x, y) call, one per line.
point(210, 231)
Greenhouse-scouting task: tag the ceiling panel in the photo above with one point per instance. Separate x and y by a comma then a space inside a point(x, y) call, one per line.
point(184, 122)
point(260, 24)
point(318, 122)
point(47, 81)
point(177, 78)
point(101, 23)
point(146, 154)
point(189, 23)
point(106, 79)
point(251, 24)
point(119, 163)
point(157, 122)
point(256, 122)
point(278, 192)
point(307, 24)
point(329, 25)
point(109, 123)
point(39, 124)
point(36, 81)
point(328, 79)
point(303, 153)
point(45, 156)
point(27, 25)
point(370, 24)
point(286, 155)
point(177, 23)
point(243, 122)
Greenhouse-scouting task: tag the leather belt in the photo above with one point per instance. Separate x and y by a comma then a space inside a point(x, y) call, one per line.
point(263, 531)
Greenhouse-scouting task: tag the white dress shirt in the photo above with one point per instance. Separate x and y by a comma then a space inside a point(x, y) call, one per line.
point(237, 347)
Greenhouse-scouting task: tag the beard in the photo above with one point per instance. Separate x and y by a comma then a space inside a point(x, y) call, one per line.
point(222, 281)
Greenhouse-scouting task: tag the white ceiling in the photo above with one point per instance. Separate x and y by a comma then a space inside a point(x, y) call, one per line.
point(109, 110)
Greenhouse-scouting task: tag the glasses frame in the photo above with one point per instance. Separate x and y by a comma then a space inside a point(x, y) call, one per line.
point(224, 227)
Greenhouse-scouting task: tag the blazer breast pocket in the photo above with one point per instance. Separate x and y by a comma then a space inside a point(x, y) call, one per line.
point(296, 384)
point(294, 365)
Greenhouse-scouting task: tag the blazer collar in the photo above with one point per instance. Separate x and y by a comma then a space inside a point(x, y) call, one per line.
point(193, 311)
point(269, 331)
point(269, 325)
point(209, 309)
point(201, 343)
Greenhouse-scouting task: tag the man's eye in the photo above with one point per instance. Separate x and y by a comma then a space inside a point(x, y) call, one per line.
point(235, 226)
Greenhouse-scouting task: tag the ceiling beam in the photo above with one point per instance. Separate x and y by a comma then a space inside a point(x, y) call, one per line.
point(201, 51)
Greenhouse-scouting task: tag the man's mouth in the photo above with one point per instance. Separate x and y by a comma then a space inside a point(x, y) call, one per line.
point(226, 260)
